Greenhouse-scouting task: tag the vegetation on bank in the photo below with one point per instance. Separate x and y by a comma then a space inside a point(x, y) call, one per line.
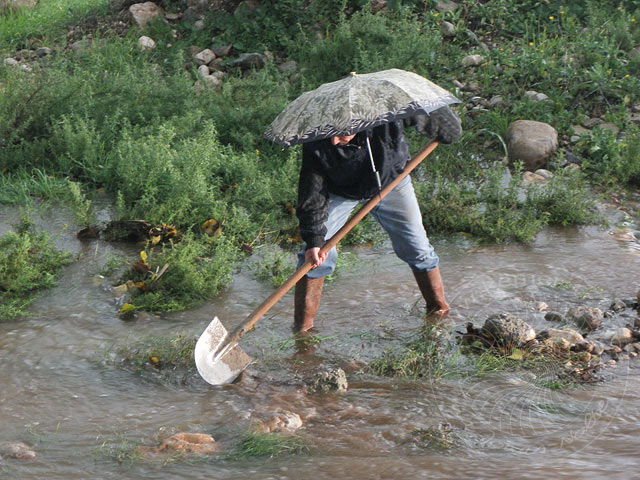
point(111, 117)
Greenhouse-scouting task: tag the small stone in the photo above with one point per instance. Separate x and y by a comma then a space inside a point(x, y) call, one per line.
point(80, 46)
point(203, 70)
point(621, 336)
point(496, 101)
point(204, 57)
point(579, 130)
point(326, 382)
point(541, 307)
point(458, 84)
point(544, 173)
point(144, 13)
point(280, 421)
point(43, 51)
point(530, 177)
point(587, 318)
point(198, 25)
point(472, 60)
point(247, 61)
point(554, 317)
point(199, 443)
point(18, 450)
point(211, 81)
point(535, 96)
point(222, 51)
point(507, 329)
point(591, 122)
point(288, 67)
point(569, 335)
point(11, 62)
point(618, 305)
point(610, 127)
point(448, 29)
point(572, 167)
point(173, 17)
point(146, 43)
point(444, 6)
point(583, 346)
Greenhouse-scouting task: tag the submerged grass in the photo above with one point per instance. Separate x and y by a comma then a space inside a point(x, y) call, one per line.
point(168, 355)
point(267, 445)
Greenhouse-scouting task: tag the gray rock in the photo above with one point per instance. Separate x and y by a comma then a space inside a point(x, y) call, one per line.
point(507, 329)
point(528, 178)
point(496, 101)
point(531, 142)
point(554, 317)
point(579, 130)
point(143, 13)
point(544, 173)
point(198, 25)
point(146, 43)
point(472, 60)
point(621, 337)
point(325, 382)
point(288, 67)
point(203, 70)
point(17, 450)
point(222, 51)
point(43, 51)
point(204, 57)
point(173, 17)
point(609, 126)
point(618, 305)
point(80, 46)
point(448, 29)
point(591, 122)
point(587, 318)
point(567, 334)
point(247, 61)
point(279, 421)
point(446, 6)
point(11, 62)
point(535, 96)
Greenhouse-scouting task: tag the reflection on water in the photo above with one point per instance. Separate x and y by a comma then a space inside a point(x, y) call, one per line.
point(59, 396)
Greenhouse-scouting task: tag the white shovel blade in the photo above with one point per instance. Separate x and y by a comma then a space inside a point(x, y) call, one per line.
point(228, 366)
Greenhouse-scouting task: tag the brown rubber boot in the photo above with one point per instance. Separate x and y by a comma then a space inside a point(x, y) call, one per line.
point(432, 289)
point(306, 302)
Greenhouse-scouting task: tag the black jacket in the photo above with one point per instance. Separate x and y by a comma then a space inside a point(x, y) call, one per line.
point(347, 171)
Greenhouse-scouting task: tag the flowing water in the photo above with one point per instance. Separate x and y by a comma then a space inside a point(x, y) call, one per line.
point(60, 395)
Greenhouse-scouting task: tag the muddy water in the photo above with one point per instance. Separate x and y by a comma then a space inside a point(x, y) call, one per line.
point(58, 394)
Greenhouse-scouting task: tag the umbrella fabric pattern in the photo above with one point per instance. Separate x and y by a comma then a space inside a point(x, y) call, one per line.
point(355, 103)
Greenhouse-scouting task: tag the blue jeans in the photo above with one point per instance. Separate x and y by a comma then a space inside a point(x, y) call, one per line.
point(399, 215)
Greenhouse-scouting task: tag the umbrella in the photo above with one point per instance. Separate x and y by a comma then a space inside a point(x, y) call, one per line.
point(355, 103)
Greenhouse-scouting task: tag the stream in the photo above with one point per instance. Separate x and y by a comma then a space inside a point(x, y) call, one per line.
point(60, 395)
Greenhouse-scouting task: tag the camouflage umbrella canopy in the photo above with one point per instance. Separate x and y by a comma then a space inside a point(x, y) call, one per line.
point(356, 103)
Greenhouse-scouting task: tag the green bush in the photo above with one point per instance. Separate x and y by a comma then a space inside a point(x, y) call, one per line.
point(28, 263)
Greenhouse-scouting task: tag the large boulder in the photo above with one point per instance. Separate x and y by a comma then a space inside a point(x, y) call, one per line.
point(144, 13)
point(507, 329)
point(532, 143)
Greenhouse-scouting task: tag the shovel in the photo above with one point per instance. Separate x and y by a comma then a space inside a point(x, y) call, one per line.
point(219, 359)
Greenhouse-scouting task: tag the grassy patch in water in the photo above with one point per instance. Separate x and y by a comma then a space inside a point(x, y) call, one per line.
point(121, 449)
point(166, 355)
point(28, 263)
point(425, 356)
point(267, 445)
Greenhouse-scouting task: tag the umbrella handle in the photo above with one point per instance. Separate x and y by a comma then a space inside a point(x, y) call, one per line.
point(245, 326)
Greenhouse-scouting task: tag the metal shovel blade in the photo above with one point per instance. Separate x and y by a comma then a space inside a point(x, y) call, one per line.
point(218, 368)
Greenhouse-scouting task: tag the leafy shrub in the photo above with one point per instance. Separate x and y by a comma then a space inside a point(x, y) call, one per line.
point(28, 263)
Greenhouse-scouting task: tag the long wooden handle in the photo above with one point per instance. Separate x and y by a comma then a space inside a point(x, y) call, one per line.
point(245, 326)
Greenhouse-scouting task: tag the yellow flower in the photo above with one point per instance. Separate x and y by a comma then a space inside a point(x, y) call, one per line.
point(436, 14)
point(531, 44)
point(627, 76)
point(562, 12)
point(633, 20)
point(552, 18)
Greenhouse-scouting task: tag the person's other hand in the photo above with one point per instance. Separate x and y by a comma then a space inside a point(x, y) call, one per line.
point(316, 255)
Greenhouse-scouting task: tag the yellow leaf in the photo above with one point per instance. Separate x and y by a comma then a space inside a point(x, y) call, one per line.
point(143, 257)
point(154, 360)
point(155, 239)
point(121, 289)
point(127, 308)
point(516, 354)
